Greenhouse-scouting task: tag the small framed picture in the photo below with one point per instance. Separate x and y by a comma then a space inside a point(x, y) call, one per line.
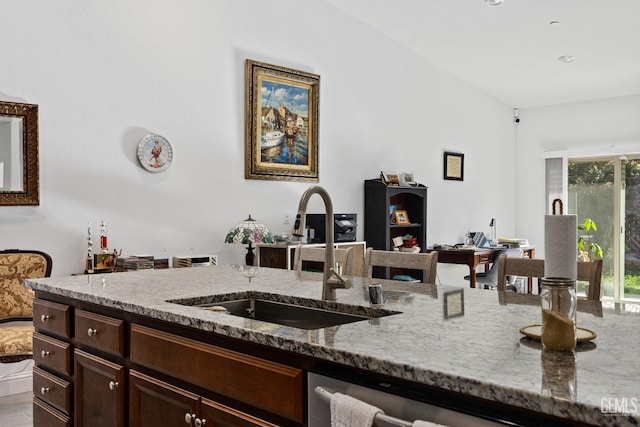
point(454, 166)
point(453, 303)
point(407, 180)
point(390, 178)
point(102, 261)
point(401, 216)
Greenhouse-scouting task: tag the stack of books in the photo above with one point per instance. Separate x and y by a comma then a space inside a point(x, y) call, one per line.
point(134, 263)
point(160, 263)
point(513, 242)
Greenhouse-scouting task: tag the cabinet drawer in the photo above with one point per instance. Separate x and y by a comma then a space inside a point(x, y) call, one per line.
point(52, 318)
point(51, 389)
point(45, 415)
point(99, 332)
point(261, 383)
point(52, 353)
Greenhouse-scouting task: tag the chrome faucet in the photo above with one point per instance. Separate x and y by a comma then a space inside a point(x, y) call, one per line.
point(331, 280)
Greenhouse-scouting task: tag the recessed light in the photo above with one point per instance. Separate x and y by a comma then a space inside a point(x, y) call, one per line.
point(565, 59)
point(554, 23)
point(494, 2)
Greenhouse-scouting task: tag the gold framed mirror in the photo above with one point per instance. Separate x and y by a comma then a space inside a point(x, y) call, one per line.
point(19, 163)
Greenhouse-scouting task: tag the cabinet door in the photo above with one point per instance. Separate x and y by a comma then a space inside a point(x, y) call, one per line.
point(218, 415)
point(99, 396)
point(154, 403)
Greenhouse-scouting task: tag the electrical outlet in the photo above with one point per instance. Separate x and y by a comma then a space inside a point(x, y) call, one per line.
point(285, 217)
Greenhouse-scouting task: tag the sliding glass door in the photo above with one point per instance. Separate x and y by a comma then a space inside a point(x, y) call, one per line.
point(607, 191)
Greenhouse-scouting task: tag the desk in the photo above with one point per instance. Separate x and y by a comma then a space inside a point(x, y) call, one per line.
point(474, 258)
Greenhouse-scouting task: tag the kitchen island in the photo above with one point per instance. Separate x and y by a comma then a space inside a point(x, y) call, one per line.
point(464, 342)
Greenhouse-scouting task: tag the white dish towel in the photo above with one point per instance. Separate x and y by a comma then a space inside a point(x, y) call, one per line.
point(347, 411)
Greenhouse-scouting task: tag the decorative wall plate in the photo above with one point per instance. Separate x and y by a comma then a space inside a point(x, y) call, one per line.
point(155, 153)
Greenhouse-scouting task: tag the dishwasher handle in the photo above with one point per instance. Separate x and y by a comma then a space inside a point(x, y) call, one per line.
point(380, 420)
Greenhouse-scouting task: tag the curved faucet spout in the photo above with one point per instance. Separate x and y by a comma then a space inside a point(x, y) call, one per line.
point(329, 283)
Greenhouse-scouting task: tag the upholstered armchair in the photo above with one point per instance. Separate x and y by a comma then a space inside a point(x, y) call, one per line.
point(16, 301)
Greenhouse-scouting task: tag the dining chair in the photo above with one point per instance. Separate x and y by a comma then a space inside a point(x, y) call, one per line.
point(522, 267)
point(427, 263)
point(16, 301)
point(589, 271)
point(315, 254)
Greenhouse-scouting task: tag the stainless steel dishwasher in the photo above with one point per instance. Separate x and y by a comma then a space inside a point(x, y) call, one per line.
point(399, 411)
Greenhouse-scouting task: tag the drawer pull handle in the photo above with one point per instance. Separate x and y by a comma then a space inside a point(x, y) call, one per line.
point(45, 390)
point(188, 417)
point(45, 353)
point(45, 317)
point(113, 385)
point(91, 332)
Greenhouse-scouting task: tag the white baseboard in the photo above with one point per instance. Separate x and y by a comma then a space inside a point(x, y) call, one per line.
point(18, 378)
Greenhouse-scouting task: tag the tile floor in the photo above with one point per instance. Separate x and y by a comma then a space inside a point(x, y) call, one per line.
point(16, 410)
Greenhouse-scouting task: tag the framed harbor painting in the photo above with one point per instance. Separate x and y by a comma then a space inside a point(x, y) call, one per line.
point(281, 124)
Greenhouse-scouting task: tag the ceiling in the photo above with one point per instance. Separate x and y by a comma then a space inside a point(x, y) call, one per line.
point(511, 51)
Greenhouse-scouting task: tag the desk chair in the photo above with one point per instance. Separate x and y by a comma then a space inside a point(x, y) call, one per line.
point(589, 271)
point(490, 278)
point(16, 301)
point(426, 262)
point(343, 256)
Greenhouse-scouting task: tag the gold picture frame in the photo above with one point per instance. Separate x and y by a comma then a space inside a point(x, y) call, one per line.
point(453, 166)
point(401, 217)
point(281, 124)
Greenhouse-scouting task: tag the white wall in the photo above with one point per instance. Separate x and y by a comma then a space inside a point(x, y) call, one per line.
point(608, 126)
point(106, 73)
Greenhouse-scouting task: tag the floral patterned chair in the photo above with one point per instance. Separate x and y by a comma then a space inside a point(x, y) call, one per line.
point(16, 301)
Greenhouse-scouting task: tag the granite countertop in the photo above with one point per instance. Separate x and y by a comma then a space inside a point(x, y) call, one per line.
point(479, 352)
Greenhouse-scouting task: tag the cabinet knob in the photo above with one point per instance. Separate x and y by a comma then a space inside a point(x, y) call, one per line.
point(45, 390)
point(199, 422)
point(45, 317)
point(188, 417)
point(45, 353)
point(91, 332)
point(113, 385)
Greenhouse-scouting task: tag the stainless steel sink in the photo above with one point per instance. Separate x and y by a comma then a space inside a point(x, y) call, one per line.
point(289, 311)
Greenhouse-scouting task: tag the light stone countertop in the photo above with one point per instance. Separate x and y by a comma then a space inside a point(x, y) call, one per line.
point(480, 353)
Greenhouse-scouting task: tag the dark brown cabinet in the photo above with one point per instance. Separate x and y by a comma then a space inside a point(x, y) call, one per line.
point(98, 367)
point(380, 227)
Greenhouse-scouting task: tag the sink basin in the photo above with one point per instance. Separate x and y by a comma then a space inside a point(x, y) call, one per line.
point(284, 310)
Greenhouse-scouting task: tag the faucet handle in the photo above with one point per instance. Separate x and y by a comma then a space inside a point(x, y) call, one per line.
point(337, 275)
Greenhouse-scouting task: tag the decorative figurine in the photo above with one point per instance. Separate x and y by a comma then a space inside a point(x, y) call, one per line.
point(89, 261)
point(103, 238)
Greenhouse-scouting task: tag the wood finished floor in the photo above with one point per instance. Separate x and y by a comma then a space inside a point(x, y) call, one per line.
point(16, 410)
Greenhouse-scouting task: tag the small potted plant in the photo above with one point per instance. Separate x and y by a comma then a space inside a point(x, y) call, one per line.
point(587, 248)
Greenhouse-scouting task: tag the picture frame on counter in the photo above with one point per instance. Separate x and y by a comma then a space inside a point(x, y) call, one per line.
point(453, 303)
point(281, 123)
